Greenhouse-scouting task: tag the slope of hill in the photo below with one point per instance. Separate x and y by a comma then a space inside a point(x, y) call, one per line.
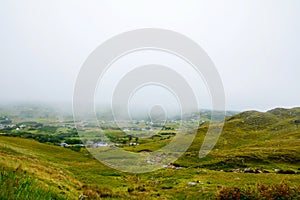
point(251, 138)
point(266, 141)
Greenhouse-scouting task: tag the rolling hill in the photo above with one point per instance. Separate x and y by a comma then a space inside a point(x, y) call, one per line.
point(270, 139)
point(259, 140)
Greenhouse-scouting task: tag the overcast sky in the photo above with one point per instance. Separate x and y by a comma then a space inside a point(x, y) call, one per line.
point(254, 44)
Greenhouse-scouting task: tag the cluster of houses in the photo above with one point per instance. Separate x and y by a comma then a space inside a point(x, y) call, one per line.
point(171, 166)
point(126, 130)
point(89, 144)
point(5, 122)
point(92, 144)
point(68, 125)
point(64, 144)
point(7, 126)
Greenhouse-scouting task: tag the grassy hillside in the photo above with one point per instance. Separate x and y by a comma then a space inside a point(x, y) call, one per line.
point(265, 141)
point(251, 138)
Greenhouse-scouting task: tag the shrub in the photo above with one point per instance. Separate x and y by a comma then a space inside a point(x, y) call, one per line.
point(281, 191)
point(234, 194)
point(97, 192)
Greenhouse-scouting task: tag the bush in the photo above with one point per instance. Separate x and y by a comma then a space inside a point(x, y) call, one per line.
point(97, 192)
point(73, 141)
point(235, 194)
point(282, 191)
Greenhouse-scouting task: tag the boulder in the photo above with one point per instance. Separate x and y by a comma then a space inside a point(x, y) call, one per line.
point(248, 170)
point(288, 171)
point(191, 183)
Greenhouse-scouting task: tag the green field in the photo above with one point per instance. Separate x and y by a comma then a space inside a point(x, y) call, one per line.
point(255, 140)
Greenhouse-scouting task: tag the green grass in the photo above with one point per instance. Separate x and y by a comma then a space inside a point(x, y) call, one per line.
point(245, 142)
point(16, 184)
point(71, 173)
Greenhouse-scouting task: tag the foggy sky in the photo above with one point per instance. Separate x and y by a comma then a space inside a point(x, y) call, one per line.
point(254, 44)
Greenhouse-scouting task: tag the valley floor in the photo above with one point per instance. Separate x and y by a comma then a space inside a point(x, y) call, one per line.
point(60, 173)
